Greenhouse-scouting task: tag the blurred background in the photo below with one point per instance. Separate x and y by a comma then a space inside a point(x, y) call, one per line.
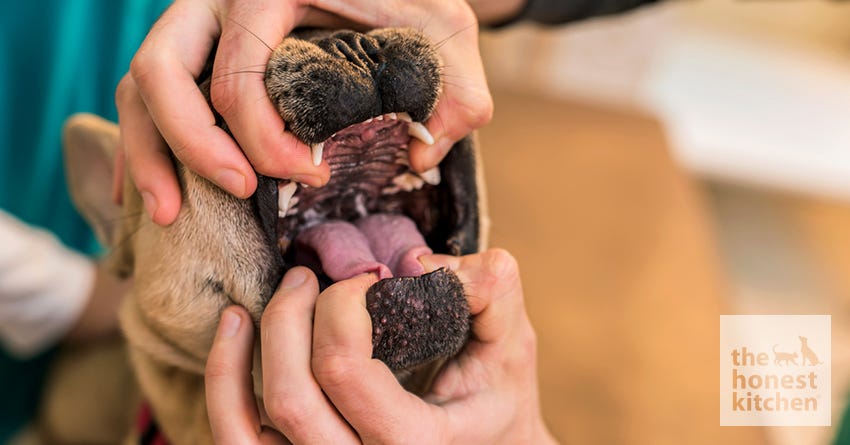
point(654, 170)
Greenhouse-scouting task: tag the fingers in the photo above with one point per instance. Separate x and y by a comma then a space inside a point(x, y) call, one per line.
point(493, 382)
point(146, 155)
point(494, 290)
point(238, 92)
point(292, 398)
point(364, 390)
point(465, 103)
point(230, 399)
point(164, 70)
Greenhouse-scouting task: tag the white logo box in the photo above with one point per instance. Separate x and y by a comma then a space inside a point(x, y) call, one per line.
point(775, 370)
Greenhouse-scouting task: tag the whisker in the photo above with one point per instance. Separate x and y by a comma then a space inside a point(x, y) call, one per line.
point(237, 72)
point(440, 43)
point(252, 33)
point(124, 240)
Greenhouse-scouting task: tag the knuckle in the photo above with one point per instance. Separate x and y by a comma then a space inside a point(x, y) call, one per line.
point(267, 166)
point(500, 263)
point(125, 90)
point(481, 112)
point(224, 97)
point(287, 411)
point(524, 355)
point(331, 370)
point(145, 62)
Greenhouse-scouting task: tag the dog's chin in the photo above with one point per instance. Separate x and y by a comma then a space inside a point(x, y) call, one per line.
point(376, 215)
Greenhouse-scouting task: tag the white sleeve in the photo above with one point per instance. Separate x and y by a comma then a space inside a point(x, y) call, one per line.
point(44, 287)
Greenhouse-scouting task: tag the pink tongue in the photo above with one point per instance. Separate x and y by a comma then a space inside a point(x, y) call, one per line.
point(396, 242)
point(386, 245)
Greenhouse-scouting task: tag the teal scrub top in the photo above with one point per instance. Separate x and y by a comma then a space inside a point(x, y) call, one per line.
point(57, 57)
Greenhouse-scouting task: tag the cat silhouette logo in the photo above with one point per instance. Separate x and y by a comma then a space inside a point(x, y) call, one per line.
point(787, 357)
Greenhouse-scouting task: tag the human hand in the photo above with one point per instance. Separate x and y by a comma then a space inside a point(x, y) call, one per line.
point(160, 106)
point(320, 384)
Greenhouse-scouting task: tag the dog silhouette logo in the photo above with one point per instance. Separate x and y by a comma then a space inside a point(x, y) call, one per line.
point(807, 352)
point(780, 357)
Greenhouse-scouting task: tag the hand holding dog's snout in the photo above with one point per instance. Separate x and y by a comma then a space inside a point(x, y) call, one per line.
point(320, 384)
point(163, 112)
point(160, 105)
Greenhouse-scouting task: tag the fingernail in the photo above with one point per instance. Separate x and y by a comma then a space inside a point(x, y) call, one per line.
point(150, 203)
point(427, 264)
point(230, 323)
point(313, 181)
point(294, 278)
point(231, 180)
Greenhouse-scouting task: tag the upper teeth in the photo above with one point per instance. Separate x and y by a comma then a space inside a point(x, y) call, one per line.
point(417, 130)
point(316, 150)
point(284, 198)
point(414, 129)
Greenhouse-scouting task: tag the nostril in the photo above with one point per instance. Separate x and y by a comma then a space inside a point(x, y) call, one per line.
point(359, 49)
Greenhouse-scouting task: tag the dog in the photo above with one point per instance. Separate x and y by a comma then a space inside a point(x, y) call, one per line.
point(808, 353)
point(357, 99)
point(787, 357)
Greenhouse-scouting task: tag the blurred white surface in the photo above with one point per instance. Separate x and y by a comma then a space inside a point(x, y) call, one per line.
point(750, 92)
point(758, 111)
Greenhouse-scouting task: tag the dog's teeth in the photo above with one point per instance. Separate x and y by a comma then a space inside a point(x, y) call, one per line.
point(369, 120)
point(431, 176)
point(402, 158)
point(405, 117)
point(392, 116)
point(317, 149)
point(284, 198)
point(408, 182)
point(417, 130)
point(379, 118)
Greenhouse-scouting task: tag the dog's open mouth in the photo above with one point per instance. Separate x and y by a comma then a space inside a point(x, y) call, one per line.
point(375, 216)
point(358, 100)
point(355, 224)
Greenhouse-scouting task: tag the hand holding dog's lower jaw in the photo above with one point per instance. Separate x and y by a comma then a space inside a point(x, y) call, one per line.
point(160, 106)
point(495, 374)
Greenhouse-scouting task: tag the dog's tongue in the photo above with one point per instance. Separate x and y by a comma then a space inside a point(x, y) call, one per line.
point(386, 245)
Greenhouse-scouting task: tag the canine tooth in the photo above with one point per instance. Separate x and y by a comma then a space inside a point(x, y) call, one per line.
point(317, 149)
point(417, 130)
point(405, 117)
point(284, 198)
point(431, 176)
